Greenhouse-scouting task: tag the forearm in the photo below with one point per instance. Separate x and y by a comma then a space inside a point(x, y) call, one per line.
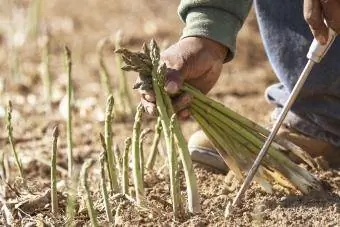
point(219, 20)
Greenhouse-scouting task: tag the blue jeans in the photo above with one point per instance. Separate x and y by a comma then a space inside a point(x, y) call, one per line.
point(286, 39)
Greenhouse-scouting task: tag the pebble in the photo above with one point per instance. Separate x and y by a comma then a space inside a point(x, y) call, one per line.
point(261, 208)
point(283, 198)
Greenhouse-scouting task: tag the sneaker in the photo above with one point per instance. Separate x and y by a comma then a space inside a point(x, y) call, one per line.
point(203, 152)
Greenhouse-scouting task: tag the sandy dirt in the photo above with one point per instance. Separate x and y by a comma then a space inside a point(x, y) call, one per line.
point(80, 25)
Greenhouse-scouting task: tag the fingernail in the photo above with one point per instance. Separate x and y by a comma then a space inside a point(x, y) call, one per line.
point(171, 87)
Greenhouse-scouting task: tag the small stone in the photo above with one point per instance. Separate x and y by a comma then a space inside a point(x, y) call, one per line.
point(261, 207)
point(283, 198)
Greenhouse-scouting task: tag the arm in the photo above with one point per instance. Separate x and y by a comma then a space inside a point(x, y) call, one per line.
point(219, 20)
point(208, 40)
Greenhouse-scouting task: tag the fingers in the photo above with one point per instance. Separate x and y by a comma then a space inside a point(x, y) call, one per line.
point(148, 100)
point(197, 61)
point(173, 81)
point(312, 10)
point(184, 114)
point(149, 107)
point(181, 105)
point(331, 12)
point(181, 102)
point(149, 96)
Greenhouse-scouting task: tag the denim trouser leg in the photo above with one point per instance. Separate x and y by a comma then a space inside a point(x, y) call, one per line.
point(287, 39)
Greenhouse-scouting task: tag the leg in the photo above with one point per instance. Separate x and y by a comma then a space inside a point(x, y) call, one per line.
point(286, 39)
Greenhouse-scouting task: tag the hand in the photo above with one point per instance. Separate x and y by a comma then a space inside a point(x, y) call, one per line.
point(194, 60)
point(316, 11)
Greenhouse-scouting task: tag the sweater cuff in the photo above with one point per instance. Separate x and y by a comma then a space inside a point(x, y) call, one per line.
point(214, 24)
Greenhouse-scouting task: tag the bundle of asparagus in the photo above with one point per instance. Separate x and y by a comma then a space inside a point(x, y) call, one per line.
point(237, 139)
point(152, 75)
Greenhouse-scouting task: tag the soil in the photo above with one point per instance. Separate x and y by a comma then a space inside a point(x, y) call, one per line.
point(80, 25)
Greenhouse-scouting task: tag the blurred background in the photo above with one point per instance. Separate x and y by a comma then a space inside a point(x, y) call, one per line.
point(33, 75)
point(31, 28)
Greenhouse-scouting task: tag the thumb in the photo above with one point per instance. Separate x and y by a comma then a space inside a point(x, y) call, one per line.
point(173, 81)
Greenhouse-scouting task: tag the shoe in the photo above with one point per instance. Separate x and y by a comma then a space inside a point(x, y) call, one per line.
point(203, 152)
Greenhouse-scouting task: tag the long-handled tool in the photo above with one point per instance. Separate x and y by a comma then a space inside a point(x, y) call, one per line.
point(315, 54)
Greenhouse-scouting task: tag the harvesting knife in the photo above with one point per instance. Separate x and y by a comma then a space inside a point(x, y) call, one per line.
point(315, 54)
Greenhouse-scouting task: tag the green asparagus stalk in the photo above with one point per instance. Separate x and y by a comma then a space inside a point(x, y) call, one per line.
point(119, 160)
point(104, 74)
point(89, 202)
point(237, 139)
point(15, 63)
point(192, 190)
point(7, 168)
point(220, 144)
point(146, 63)
point(124, 94)
point(54, 196)
point(258, 130)
point(3, 171)
point(173, 170)
point(104, 189)
point(125, 176)
point(137, 174)
point(72, 200)
point(46, 75)
point(154, 147)
point(141, 150)
point(165, 110)
point(34, 17)
point(68, 68)
point(11, 140)
point(141, 157)
point(250, 135)
point(108, 144)
point(283, 166)
point(236, 157)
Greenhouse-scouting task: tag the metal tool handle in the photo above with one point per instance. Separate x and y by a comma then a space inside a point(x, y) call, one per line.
point(316, 51)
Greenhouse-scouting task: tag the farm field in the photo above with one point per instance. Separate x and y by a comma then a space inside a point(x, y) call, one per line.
point(81, 25)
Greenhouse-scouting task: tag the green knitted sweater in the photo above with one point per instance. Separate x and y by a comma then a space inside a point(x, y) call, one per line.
point(219, 20)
